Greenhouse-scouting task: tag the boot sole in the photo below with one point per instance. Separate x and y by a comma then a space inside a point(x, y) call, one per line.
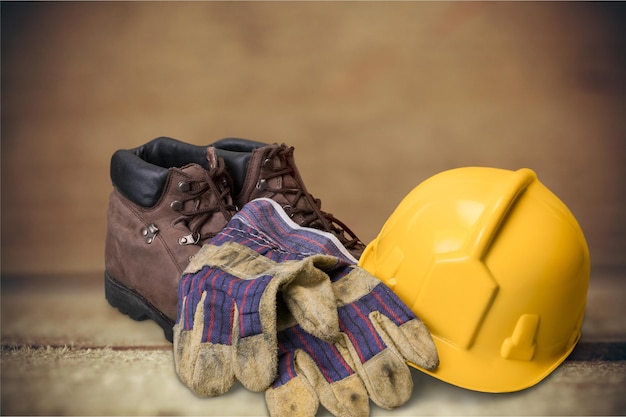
point(131, 303)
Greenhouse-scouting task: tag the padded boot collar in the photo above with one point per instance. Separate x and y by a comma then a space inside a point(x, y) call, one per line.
point(238, 144)
point(140, 173)
point(236, 154)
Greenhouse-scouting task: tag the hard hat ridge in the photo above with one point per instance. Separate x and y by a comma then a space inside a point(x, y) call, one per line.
point(496, 266)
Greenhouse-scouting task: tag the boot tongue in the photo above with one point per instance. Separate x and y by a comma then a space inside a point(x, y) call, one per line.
point(213, 204)
point(304, 205)
point(237, 165)
point(223, 183)
point(212, 157)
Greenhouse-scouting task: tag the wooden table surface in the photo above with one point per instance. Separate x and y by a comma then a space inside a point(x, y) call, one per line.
point(66, 351)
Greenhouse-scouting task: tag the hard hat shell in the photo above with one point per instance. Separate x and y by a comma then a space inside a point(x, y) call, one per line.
point(496, 266)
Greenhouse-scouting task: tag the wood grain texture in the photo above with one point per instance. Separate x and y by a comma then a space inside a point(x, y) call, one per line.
point(65, 351)
point(375, 97)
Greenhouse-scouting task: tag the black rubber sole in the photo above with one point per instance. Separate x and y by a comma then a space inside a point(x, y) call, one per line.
point(134, 305)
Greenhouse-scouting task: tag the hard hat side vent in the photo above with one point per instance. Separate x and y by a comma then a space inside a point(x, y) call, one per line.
point(521, 345)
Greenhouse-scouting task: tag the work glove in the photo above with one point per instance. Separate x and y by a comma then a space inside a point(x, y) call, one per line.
point(378, 335)
point(228, 295)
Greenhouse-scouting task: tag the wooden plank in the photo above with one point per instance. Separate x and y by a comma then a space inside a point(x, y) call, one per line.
point(64, 381)
point(66, 351)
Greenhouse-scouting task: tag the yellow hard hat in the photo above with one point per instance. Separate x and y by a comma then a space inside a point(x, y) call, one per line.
point(496, 266)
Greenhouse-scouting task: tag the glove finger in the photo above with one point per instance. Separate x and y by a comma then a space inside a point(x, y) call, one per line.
point(254, 332)
point(308, 293)
point(411, 339)
point(290, 395)
point(187, 342)
point(205, 355)
point(213, 373)
point(343, 397)
point(294, 399)
point(203, 367)
point(179, 339)
point(387, 378)
point(255, 364)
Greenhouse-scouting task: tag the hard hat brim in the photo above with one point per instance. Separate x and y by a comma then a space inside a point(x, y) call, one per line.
point(497, 375)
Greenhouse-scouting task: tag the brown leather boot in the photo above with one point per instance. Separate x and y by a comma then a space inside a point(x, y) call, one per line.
point(262, 170)
point(169, 198)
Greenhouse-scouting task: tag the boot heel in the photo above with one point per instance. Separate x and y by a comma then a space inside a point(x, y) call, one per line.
point(134, 305)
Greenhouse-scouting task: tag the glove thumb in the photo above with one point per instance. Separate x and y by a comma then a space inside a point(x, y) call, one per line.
point(411, 339)
point(309, 296)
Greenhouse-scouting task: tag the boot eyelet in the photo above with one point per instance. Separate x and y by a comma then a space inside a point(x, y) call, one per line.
point(261, 185)
point(289, 210)
point(176, 205)
point(184, 186)
point(149, 233)
point(268, 163)
point(190, 239)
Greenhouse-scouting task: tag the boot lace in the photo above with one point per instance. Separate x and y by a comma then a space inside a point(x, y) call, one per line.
point(311, 212)
point(208, 195)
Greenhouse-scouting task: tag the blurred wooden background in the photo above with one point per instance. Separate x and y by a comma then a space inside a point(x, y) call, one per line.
point(375, 97)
